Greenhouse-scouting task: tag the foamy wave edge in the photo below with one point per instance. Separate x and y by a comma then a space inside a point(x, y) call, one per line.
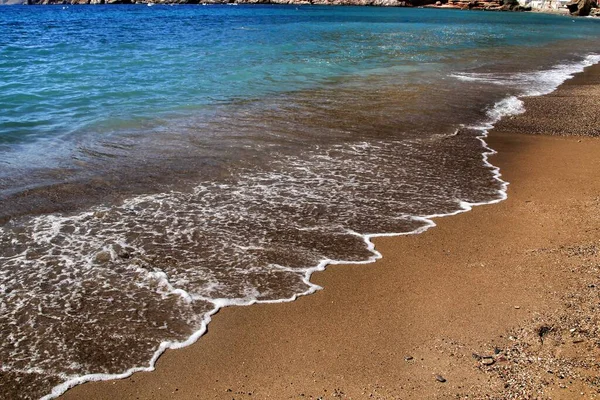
point(508, 106)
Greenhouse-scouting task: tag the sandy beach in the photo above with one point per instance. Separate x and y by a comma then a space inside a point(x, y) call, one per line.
point(500, 302)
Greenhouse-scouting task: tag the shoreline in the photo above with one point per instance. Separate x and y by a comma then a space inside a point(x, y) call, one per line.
point(427, 220)
point(430, 4)
point(231, 321)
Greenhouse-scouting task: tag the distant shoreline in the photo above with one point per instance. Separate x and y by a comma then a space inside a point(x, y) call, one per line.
point(493, 5)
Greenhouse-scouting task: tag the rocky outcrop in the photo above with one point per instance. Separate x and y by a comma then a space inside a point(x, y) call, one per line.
point(580, 8)
point(488, 5)
point(513, 5)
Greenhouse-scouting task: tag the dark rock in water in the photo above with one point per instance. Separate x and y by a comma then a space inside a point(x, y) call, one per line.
point(102, 257)
point(580, 8)
point(440, 378)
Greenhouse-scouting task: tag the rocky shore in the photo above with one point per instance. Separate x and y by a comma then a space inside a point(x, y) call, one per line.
point(491, 5)
point(576, 7)
point(380, 3)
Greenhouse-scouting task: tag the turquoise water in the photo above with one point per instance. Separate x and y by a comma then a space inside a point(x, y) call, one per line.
point(65, 70)
point(158, 163)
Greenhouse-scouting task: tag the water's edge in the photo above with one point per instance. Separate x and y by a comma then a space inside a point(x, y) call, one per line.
point(507, 107)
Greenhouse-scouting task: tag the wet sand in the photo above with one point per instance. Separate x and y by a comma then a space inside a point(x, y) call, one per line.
point(500, 302)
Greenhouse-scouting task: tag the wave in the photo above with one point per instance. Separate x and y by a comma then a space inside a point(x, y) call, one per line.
point(109, 237)
point(535, 83)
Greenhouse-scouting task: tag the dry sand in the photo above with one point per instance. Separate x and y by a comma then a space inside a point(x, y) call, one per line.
point(502, 302)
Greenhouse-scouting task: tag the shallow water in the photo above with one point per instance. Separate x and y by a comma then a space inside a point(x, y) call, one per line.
point(158, 163)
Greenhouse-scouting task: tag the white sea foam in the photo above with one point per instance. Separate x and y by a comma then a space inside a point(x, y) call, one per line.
point(535, 83)
point(50, 229)
point(507, 107)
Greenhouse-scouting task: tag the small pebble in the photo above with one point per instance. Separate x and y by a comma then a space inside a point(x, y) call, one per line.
point(487, 361)
point(440, 378)
point(408, 358)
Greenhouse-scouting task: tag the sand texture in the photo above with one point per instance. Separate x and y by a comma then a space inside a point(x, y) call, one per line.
point(500, 302)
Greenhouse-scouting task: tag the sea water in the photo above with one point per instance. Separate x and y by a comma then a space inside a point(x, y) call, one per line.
point(158, 163)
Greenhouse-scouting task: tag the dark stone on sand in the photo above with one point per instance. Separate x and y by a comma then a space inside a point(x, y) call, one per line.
point(544, 330)
point(408, 358)
point(440, 378)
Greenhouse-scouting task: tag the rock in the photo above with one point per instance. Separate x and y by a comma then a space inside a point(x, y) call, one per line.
point(440, 378)
point(544, 330)
point(102, 257)
point(408, 358)
point(124, 254)
point(488, 361)
point(580, 8)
